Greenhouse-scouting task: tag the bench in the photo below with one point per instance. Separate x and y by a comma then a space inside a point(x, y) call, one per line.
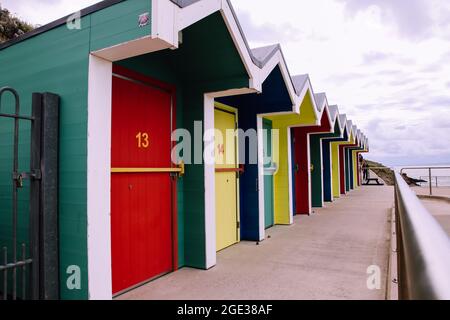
point(369, 180)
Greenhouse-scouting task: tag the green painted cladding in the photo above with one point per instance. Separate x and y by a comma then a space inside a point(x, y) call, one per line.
point(119, 23)
point(56, 61)
point(316, 160)
point(316, 173)
point(268, 178)
point(207, 61)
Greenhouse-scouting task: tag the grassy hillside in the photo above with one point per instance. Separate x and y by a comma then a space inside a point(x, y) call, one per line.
point(10, 26)
point(384, 173)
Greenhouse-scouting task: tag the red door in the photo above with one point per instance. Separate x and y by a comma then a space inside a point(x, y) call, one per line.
point(301, 171)
point(141, 203)
point(342, 168)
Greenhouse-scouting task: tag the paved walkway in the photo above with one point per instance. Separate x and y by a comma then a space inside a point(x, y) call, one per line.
point(323, 256)
point(441, 191)
point(440, 209)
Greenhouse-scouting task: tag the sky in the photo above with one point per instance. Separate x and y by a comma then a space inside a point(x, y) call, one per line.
point(385, 63)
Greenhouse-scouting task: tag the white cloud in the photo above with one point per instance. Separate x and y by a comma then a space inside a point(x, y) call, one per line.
point(379, 60)
point(45, 11)
point(383, 61)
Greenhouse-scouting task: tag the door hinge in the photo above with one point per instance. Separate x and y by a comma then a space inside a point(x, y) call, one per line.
point(238, 225)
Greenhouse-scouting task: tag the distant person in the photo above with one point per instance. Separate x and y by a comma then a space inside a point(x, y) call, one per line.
point(361, 163)
point(365, 171)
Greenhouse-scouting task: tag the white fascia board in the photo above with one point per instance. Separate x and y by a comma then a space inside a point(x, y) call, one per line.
point(350, 129)
point(195, 12)
point(359, 138)
point(231, 92)
point(343, 123)
point(307, 88)
point(328, 115)
point(131, 48)
point(278, 60)
point(338, 119)
point(165, 15)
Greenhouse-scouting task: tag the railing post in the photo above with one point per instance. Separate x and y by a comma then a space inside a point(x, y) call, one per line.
point(429, 181)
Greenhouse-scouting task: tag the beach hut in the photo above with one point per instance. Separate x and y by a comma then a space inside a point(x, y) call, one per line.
point(357, 163)
point(338, 151)
point(350, 168)
point(301, 158)
point(149, 181)
point(353, 156)
point(343, 158)
point(256, 181)
point(307, 114)
point(128, 73)
point(321, 182)
point(335, 159)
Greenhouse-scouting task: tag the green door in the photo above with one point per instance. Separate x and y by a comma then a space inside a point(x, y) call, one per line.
point(268, 174)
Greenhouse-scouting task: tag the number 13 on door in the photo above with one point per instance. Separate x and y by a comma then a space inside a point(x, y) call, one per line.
point(142, 140)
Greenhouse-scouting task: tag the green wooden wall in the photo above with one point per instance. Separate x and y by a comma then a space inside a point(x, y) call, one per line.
point(119, 24)
point(316, 160)
point(57, 61)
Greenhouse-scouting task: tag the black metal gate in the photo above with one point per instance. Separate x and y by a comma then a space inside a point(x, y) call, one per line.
point(30, 270)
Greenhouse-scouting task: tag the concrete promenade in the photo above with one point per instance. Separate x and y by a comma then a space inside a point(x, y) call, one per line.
point(322, 256)
point(438, 204)
point(440, 209)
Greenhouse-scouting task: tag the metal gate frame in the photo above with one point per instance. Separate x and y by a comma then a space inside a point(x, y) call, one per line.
point(43, 257)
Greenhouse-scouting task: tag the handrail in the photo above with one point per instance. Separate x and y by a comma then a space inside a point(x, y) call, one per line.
point(180, 170)
point(424, 248)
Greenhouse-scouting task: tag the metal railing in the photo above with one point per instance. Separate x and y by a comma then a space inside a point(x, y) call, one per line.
point(30, 269)
point(435, 180)
point(430, 184)
point(423, 248)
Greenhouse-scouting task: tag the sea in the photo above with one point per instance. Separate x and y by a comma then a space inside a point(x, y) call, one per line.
point(440, 176)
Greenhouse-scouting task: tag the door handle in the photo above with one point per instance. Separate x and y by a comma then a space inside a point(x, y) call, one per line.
point(179, 170)
point(239, 170)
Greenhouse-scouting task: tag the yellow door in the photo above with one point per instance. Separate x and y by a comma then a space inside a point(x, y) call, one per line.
point(226, 180)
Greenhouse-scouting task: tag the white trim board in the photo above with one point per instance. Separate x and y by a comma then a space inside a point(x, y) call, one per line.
point(99, 179)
